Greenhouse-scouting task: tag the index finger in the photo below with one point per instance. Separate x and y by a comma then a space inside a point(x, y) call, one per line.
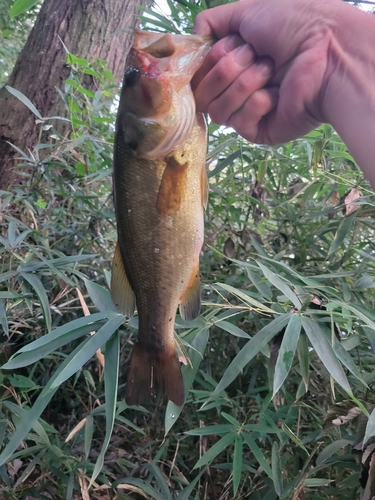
point(219, 21)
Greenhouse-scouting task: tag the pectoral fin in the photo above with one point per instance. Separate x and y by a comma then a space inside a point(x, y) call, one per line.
point(190, 305)
point(122, 293)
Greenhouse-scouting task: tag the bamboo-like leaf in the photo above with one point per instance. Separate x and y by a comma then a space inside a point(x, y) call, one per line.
point(3, 318)
point(100, 296)
point(155, 471)
point(276, 469)
point(186, 492)
point(262, 287)
point(111, 374)
point(217, 448)
point(42, 294)
point(257, 452)
point(89, 432)
point(332, 449)
point(286, 352)
point(94, 343)
point(237, 463)
point(304, 359)
point(36, 410)
point(341, 233)
point(245, 298)
point(21, 97)
point(370, 427)
point(224, 163)
point(139, 483)
point(325, 352)
point(280, 285)
point(195, 353)
point(251, 349)
point(54, 340)
point(232, 329)
point(210, 429)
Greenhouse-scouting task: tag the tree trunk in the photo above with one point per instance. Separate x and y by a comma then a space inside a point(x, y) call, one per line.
point(89, 29)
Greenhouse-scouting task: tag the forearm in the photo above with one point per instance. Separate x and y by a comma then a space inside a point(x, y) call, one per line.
point(349, 99)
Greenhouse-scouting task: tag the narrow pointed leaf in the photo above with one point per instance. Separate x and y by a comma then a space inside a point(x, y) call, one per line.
point(325, 352)
point(257, 452)
point(21, 97)
point(341, 233)
point(286, 352)
point(111, 374)
point(42, 294)
point(94, 343)
point(237, 463)
point(251, 349)
point(280, 285)
point(217, 448)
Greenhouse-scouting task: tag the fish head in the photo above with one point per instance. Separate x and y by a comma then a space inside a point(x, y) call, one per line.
point(156, 90)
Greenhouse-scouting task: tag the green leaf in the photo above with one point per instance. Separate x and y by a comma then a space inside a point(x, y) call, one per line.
point(341, 232)
point(155, 471)
point(34, 351)
point(195, 353)
point(224, 163)
point(111, 375)
point(331, 449)
point(21, 97)
point(260, 284)
point(325, 352)
point(286, 352)
point(232, 329)
point(210, 429)
point(237, 463)
point(276, 469)
point(280, 285)
point(89, 432)
point(245, 298)
point(256, 451)
point(21, 6)
point(88, 350)
point(370, 427)
point(304, 359)
point(251, 349)
point(142, 485)
point(217, 448)
point(3, 318)
point(41, 292)
point(100, 296)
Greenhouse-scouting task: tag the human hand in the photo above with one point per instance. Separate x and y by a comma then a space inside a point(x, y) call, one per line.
point(267, 75)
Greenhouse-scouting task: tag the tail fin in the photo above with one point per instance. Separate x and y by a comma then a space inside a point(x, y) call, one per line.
point(153, 373)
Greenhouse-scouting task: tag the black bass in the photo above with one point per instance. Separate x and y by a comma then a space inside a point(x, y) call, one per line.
point(160, 193)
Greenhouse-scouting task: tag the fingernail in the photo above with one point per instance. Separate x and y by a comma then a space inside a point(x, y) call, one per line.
point(265, 66)
point(245, 55)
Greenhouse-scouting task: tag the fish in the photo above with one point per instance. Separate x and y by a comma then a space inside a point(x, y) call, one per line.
point(160, 194)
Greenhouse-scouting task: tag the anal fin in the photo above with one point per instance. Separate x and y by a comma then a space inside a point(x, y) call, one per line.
point(190, 305)
point(152, 373)
point(121, 291)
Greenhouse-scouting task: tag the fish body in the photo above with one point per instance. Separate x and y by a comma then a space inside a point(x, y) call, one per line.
point(160, 192)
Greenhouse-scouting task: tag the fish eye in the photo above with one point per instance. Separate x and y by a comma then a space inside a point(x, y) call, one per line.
point(132, 75)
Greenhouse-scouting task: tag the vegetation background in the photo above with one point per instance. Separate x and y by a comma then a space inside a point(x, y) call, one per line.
point(280, 365)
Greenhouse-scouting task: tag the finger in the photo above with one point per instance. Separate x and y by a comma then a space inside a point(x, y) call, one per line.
point(224, 73)
point(236, 95)
point(220, 21)
point(218, 51)
point(247, 120)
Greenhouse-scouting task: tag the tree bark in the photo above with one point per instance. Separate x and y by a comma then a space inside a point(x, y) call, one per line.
point(89, 29)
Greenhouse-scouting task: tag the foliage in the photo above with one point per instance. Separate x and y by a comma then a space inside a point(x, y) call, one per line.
point(280, 363)
point(13, 35)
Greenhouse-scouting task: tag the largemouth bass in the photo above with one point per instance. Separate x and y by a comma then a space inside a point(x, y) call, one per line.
point(160, 193)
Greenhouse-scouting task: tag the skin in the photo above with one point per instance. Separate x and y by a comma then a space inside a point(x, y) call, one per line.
point(282, 67)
